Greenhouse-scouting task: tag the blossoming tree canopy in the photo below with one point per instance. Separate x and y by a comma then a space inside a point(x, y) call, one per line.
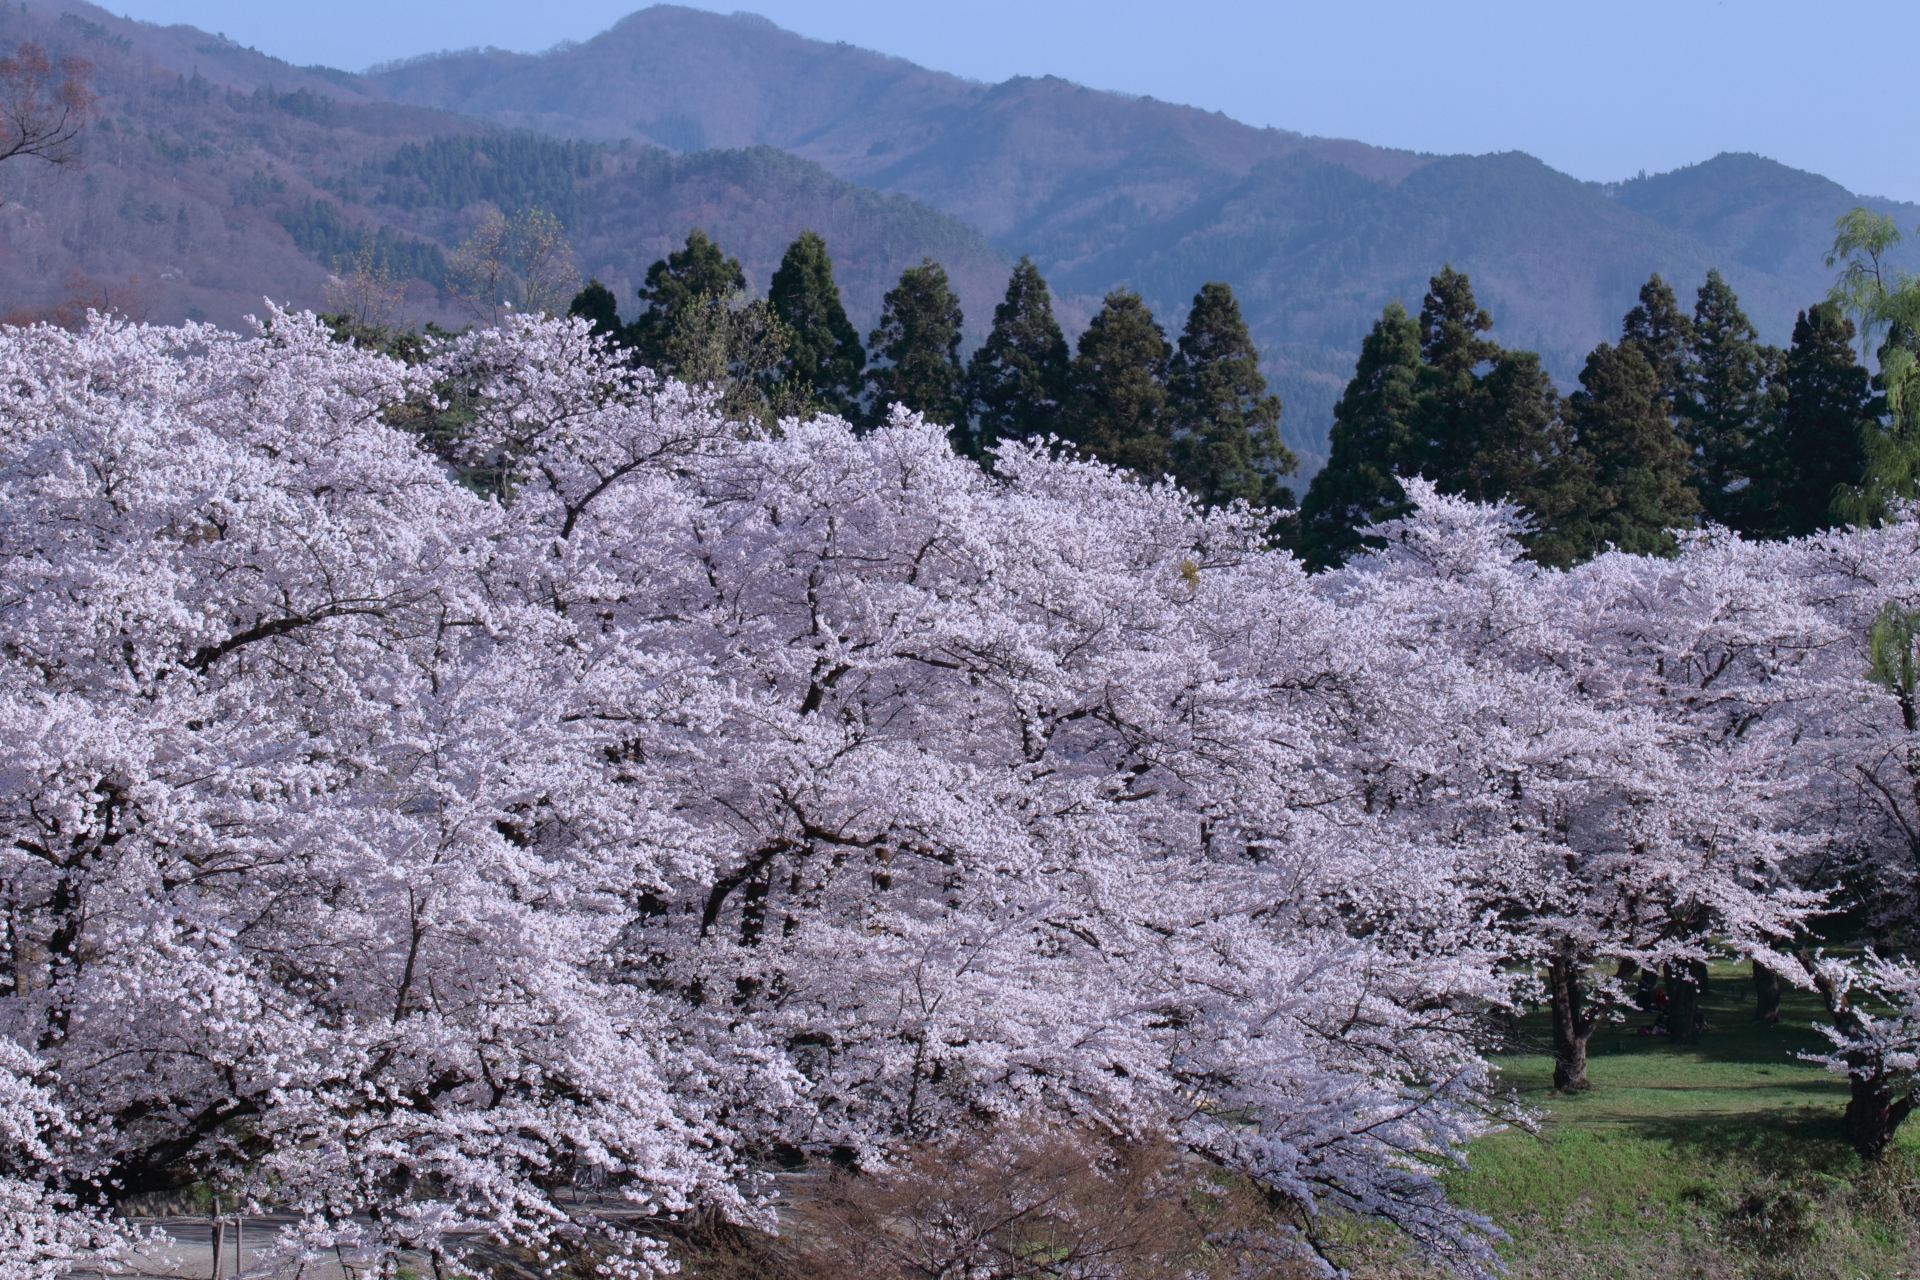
point(392, 853)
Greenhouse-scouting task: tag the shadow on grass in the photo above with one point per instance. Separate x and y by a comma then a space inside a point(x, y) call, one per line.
point(1790, 1144)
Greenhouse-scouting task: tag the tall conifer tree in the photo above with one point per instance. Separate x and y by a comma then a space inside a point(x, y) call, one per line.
point(1730, 404)
point(919, 337)
point(1623, 482)
point(1371, 446)
point(1816, 452)
point(1117, 392)
point(1484, 436)
point(1514, 421)
point(678, 284)
point(1226, 426)
point(1017, 381)
point(1663, 334)
point(823, 347)
point(1446, 417)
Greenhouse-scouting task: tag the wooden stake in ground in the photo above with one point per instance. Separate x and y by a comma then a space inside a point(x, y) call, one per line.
point(213, 1226)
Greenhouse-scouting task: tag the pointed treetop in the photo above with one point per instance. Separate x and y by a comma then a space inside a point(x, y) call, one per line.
point(1451, 323)
point(1016, 381)
point(1730, 405)
point(1226, 426)
point(1370, 444)
point(1635, 487)
point(1818, 453)
point(919, 337)
point(1118, 387)
point(824, 348)
point(1662, 332)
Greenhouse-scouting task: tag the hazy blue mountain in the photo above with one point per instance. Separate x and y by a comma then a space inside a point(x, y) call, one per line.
point(219, 174)
point(1316, 234)
point(198, 196)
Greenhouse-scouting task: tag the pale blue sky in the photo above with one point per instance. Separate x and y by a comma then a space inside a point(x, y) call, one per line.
point(1600, 90)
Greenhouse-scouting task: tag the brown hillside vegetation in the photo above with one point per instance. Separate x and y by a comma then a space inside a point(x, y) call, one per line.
point(183, 203)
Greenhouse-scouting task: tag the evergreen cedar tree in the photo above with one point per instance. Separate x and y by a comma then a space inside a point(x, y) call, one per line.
point(1625, 481)
point(1817, 451)
point(919, 338)
point(1117, 388)
point(1729, 407)
point(685, 279)
point(1449, 409)
point(1016, 385)
point(515, 912)
point(1481, 435)
point(823, 347)
point(1663, 335)
point(1226, 427)
point(1370, 448)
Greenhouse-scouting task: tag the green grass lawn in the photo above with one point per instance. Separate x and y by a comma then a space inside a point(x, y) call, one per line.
point(1724, 1159)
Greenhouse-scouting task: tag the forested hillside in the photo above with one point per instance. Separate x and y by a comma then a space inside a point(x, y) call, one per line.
point(1100, 188)
point(196, 197)
point(218, 174)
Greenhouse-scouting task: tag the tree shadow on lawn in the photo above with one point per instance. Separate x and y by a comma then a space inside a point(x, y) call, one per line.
point(1784, 1143)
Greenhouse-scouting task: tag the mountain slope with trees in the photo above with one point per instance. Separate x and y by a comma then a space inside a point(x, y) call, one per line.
point(218, 174)
point(1104, 189)
point(196, 196)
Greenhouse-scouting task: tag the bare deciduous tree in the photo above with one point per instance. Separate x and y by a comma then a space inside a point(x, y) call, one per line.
point(547, 274)
point(523, 261)
point(477, 275)
point(39, 116)
point(366, 289)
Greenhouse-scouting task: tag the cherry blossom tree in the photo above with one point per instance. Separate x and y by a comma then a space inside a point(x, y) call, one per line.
point(697, 799)
point(380, 849)
point(1619, 773)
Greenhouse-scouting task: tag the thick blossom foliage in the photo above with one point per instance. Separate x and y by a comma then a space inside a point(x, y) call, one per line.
point(698, 800)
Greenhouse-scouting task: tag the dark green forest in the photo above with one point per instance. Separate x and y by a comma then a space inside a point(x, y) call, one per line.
point(1687, 420)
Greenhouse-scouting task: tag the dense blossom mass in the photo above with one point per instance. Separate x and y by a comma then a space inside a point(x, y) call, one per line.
point(702, 798)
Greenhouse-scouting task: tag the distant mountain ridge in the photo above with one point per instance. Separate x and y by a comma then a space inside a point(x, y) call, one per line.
point(1315, 234)
point(217, 174)
point(210, 153)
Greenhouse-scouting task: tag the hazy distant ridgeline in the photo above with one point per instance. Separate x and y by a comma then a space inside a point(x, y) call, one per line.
point(219, 174)
point(1315, 234)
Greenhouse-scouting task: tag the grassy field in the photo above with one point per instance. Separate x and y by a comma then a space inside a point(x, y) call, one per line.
point(1724, 1159)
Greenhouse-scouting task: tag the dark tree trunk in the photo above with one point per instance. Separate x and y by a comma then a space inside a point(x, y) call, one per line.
point(1573, 1023)
point(1766, 993)
point(1873, 1112)
point(1685, 984)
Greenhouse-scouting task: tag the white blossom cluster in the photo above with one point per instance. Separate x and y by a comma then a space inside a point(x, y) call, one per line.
point(392, 854)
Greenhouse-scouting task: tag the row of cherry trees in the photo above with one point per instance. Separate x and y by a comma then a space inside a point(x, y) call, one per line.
point(701, 800)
